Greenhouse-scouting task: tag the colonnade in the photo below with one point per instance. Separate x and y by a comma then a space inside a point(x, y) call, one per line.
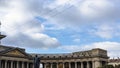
point(15, 64)
point(25, 64)
point(88, 64)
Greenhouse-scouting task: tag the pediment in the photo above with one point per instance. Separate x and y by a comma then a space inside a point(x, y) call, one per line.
point(16, 53)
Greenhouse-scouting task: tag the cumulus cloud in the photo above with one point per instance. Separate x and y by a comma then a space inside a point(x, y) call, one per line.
point(85, 11)
point(71, 13)
point(65, 13)
point(71, 48)
point(106, 31)
point(21, 27)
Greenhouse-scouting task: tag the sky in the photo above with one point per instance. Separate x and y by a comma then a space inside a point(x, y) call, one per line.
point(61, 26)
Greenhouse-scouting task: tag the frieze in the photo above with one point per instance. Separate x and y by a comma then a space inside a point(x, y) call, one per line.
point(15, 53)
point(86, 53)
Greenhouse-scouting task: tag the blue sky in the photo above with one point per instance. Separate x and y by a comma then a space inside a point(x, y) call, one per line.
point(61, 26)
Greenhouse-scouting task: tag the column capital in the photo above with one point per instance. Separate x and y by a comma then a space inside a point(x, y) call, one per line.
point(76, 62)
point(51, 62)
point(63, 62)
point(5, 60)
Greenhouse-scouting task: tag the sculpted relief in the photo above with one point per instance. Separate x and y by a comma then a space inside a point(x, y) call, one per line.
point(15, 53)
point(87, 53)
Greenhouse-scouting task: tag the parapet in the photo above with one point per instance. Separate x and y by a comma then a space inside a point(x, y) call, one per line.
point(97, 52)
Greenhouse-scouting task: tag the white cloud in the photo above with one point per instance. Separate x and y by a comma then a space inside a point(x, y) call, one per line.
point(21, 27)
point(104, 45)
point(112, 47)
point(19, 23)
point(96, 7)
point(75, 14)
point(77, 40)
point(106, 31)
point(70, 48)
point(85, 11)
point(61, 12)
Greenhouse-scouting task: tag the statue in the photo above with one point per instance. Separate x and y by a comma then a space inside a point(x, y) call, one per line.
point(36, 62)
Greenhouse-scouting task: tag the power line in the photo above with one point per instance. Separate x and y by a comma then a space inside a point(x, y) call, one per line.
point(47, 13)
point(64, 9)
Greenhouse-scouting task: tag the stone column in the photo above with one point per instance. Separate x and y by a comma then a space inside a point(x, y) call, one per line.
point(69, 64)
point(75, 64)
point(44, 65)
point(51, 65)
point(27, 64)
point(63, 65)
point(23, 65)
point(81, 64)
point(88, 65)
point(11, 64)
point(17, 64)
point(93, 64)
point(97, 64)
point(0, 64)
point(5, 63)
point(33, 65)
point(57, 65)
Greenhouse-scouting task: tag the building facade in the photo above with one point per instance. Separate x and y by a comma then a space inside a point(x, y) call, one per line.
point(84, 59)
point(13, 57)
point(114, 62)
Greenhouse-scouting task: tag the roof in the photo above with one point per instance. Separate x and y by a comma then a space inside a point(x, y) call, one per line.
point(13, 52)
point(3, 48)
point(114, 60)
